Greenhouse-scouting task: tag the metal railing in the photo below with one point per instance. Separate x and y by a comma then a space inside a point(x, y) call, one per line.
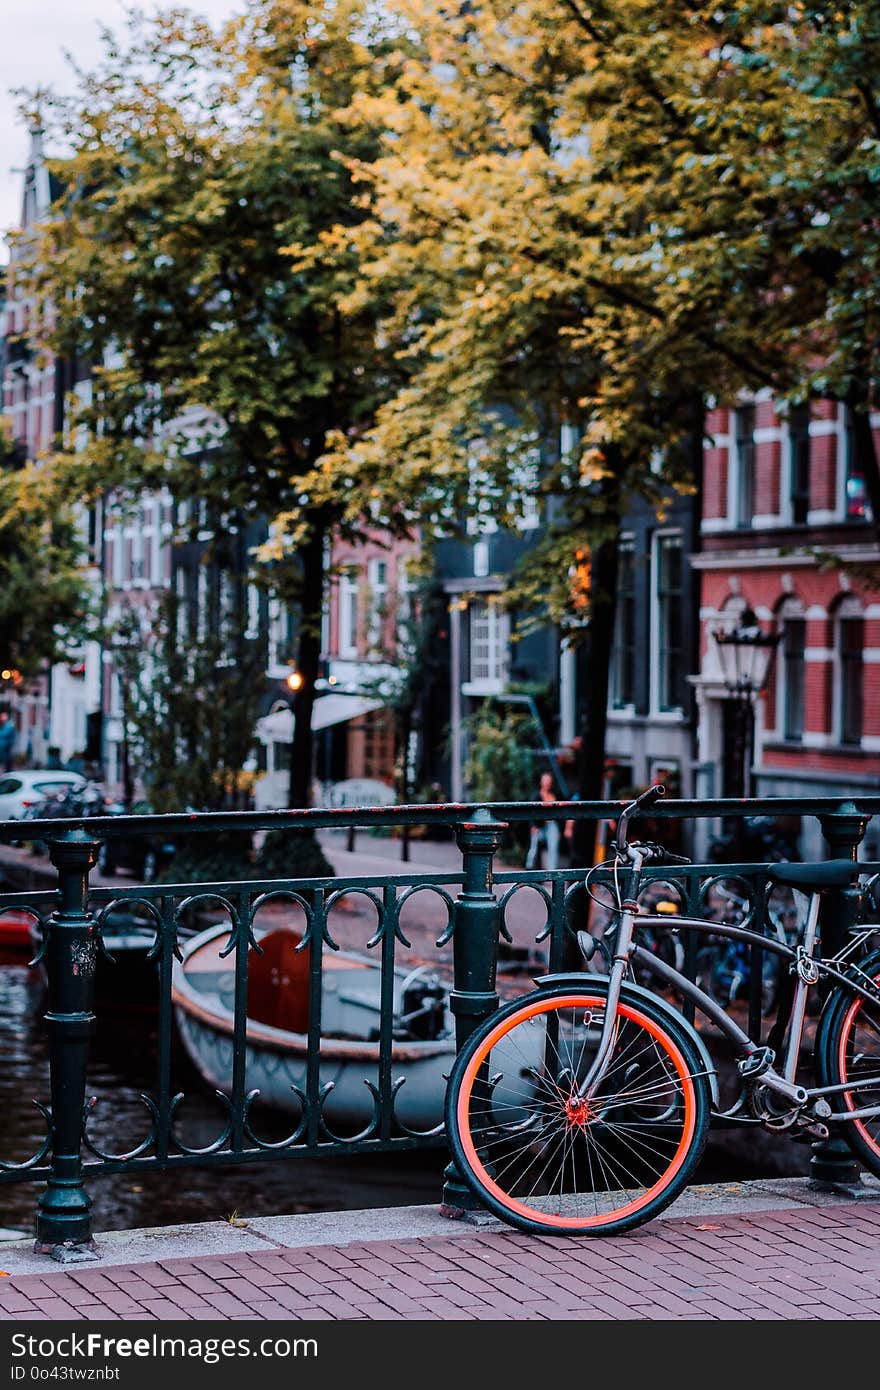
point(344, 1087)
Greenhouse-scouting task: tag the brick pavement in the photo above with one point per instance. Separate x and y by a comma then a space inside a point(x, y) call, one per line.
point(798, 1263)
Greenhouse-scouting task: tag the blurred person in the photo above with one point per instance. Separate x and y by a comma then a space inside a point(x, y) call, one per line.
point(7, 740)
point(544, 833)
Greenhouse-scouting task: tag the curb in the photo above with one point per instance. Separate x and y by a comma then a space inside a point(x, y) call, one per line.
point(341, 1228)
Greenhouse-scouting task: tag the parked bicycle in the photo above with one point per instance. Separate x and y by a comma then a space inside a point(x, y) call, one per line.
point(583, 1107)
point(724, 965)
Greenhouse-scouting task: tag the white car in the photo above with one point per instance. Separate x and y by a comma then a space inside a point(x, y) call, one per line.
point(22, 789)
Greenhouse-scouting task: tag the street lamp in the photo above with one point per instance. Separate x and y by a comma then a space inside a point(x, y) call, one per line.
point(744, 652)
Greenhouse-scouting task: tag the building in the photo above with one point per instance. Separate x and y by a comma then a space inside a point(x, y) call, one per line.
point(784, 502)
point(59, 711)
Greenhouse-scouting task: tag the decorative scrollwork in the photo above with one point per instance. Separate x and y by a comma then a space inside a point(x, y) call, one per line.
point(401, 1126)
point(146, 1143)
point(41, 1152)
point(287, 895)
point(724, 884)
point(42, 933)
point(102, 922)
point(361, 892)
point(275, 1145)
point(447, 898)
point(372, 1126)
point(227, 906)
point(532, 888)
point(218, 1144)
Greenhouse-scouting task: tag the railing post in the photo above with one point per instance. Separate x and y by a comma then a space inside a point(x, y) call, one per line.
point(475, 958)
point(832, 1164)
point(63, 1219)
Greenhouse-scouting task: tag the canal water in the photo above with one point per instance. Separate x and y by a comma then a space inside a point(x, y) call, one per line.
point(122, 1066)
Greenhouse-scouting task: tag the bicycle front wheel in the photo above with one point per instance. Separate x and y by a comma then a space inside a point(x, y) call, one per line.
point(545, 1157)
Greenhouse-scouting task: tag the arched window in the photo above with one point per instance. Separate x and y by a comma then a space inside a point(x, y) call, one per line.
point(790, 669)
point(849, 646)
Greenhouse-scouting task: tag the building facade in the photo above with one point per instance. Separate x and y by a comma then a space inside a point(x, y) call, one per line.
point(58, 714)
point(786, 532)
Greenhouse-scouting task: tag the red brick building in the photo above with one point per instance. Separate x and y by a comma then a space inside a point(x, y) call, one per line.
point(784, 502)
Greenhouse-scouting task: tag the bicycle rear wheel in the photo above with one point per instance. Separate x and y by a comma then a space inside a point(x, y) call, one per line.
point(848, 1051)
point(545, 1159)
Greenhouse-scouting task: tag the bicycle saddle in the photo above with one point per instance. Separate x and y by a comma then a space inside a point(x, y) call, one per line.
point(816, 878)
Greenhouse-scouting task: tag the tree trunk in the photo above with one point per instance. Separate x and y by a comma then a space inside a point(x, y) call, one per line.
point(591, 769)
point(603, 604)
point(308, 658)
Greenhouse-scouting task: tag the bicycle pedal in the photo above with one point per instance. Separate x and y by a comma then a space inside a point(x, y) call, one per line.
point(756, 1063)
point(809, 1133)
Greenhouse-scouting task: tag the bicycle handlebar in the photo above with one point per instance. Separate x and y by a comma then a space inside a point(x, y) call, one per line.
point(641, 802)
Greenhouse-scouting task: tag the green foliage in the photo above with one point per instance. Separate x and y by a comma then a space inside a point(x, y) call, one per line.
point(606, 215)
point(221, 857)
point(44, 597)
point(190, 701)
point(198, 258)
point(229, 854)
point(502, 753)
point(292, 854)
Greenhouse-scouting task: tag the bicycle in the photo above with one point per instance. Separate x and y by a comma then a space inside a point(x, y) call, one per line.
point(583, 1107)
point(724, 966)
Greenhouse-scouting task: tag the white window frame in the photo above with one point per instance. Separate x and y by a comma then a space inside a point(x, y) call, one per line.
point(627, 709)
point(675, 712)
point(790, 607)
point(497, 644)
point(736, 471)
point(377, 581)
point(848, 607)
point(347, 598)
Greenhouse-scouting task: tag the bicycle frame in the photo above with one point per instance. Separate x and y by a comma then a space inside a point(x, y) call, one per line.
point(806, 967)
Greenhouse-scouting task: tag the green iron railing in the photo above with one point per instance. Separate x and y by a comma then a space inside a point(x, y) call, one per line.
point(471, 950)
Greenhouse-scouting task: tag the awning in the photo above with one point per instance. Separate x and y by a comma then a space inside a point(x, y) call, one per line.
point(277, 727)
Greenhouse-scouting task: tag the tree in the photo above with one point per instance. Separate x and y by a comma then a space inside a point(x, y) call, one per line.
point(408, 674)
point(607, 215)
point(45, 607)
point(203, 172)
point(190, 700)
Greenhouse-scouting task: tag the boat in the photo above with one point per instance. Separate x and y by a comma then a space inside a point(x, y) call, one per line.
point(125, 973)
point(423, 1032)
point(16, 928)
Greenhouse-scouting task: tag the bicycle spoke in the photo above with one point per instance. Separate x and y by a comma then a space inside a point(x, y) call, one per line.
point(576, 1155)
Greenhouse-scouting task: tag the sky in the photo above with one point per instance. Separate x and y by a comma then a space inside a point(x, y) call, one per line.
point(34, 37)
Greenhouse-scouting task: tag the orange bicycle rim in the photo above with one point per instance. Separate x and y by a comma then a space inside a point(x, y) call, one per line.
point(531, 1011)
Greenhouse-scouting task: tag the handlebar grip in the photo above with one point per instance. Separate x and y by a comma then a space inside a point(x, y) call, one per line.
point(650, 796)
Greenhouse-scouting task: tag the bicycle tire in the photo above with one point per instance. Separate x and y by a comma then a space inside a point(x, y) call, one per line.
point(849, 1033)
point(518, 1131)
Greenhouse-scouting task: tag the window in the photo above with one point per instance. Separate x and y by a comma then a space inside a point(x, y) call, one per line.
point(378, 581)
point(253, 612)
point(849, 649)
point(348, 613)
point(488, 641)
point(668, 598)
point(745, 465)
point(407, 615)
point(623, 661)
point(790, 690)
point(799, 476)
point(481, 559)
point(855, 494)
point(282, 634)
